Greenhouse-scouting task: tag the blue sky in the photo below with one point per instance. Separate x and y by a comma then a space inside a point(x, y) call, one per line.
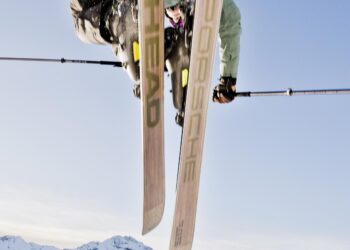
point(275, 170)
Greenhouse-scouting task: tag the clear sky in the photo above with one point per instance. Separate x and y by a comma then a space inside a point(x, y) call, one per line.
point(275, 173)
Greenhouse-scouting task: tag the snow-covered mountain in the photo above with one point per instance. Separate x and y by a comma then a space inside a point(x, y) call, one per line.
point(115, 243)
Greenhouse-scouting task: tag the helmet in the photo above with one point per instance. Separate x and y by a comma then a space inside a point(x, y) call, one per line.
point(171, 3)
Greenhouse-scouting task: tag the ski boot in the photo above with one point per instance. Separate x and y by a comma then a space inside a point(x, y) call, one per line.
point(179, 118)
point(225, 91)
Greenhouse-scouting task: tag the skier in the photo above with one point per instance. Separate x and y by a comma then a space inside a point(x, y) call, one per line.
point(229, 41)
point(115, 22)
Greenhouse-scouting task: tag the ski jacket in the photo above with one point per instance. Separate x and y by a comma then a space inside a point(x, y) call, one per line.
point(229, 39)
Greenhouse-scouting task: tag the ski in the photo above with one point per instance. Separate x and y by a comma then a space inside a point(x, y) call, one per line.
point(151, 39)
point(206, 24)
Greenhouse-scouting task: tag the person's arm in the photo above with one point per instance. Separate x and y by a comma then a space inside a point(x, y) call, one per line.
point(229, 39)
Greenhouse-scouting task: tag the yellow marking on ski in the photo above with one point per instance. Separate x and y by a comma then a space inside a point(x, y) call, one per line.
point(184, 77)
point(136, 50)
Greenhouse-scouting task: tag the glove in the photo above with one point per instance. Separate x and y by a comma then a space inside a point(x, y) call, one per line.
point(225, 91)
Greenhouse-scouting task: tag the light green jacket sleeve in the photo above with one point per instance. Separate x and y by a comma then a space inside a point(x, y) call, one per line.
point(229, 38)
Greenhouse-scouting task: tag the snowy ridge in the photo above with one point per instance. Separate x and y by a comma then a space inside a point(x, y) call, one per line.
point(114, 243)
point(17, 243)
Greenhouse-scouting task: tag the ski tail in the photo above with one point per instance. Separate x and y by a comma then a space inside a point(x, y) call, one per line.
point(206, 24)
point(151, 38)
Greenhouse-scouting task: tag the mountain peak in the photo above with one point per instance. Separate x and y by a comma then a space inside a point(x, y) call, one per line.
point(115, 243)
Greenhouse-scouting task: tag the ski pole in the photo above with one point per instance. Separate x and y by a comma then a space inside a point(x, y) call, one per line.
point(290, 92)
point(62, 60)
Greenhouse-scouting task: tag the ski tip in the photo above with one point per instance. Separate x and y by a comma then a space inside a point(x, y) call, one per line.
point(152, 218)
